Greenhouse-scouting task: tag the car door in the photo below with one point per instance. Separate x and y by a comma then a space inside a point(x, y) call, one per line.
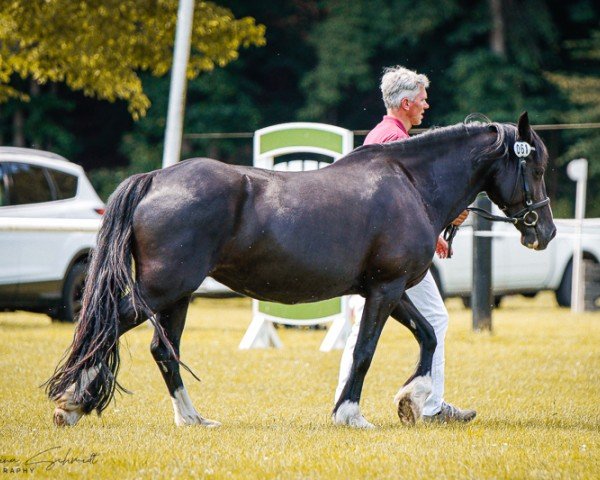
point(32, 195)
point(10, 251)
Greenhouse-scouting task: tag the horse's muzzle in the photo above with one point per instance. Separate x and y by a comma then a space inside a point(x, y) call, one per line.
point(537, 238)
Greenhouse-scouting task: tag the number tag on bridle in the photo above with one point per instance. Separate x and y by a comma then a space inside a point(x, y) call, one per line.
point(522, 149)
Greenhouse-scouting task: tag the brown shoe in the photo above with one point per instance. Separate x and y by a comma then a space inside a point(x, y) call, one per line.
point(449, 414)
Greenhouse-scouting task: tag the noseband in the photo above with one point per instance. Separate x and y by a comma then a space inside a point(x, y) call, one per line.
point(528, 215)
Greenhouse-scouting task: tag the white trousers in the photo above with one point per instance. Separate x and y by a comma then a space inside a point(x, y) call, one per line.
point(426, 297)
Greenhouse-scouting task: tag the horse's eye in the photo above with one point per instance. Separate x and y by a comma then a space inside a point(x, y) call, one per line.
point(538, 172)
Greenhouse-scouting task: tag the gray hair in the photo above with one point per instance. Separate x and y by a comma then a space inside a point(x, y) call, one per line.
point(398, 83)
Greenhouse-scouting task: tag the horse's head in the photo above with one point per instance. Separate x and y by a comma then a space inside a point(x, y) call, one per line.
point(518, 187)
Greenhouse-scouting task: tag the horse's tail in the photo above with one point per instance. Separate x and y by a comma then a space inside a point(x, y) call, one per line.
point(90, 365)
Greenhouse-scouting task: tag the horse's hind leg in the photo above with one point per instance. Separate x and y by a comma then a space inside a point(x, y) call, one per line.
point(411, 398)
point(172, 320)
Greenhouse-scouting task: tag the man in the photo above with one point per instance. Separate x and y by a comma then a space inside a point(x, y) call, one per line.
point(405, 98)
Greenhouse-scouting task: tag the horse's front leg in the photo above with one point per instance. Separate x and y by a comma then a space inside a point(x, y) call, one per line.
point(411, 398)
point(377, 309)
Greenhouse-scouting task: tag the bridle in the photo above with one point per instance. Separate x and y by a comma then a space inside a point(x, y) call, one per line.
point(527, 215)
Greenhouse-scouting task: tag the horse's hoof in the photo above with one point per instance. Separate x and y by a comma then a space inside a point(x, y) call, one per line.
point(407, 411)
point(361, 422)
point(63, 418)
point(411, 399)
point(67, 412)
point(186, 414)
point(208, 423)
point(183, 420)
point(348, 414)
point(59, 418)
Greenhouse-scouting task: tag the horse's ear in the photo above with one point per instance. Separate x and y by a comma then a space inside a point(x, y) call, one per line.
point(524, 128)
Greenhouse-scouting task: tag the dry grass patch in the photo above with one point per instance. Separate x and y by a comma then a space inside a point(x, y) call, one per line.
point(535, 383)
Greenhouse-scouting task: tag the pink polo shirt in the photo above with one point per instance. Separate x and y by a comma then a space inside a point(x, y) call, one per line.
point(389, 129)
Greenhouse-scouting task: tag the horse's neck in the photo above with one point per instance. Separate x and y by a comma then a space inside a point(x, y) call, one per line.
point(450, 180)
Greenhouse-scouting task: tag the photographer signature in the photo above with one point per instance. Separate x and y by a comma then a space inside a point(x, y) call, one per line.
point(51, 458)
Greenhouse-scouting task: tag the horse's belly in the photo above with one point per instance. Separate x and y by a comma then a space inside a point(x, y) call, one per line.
point(292, 287)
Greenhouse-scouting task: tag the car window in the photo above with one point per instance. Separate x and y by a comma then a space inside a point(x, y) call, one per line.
point(29, 184)
point(66, 185)
point(3, 191)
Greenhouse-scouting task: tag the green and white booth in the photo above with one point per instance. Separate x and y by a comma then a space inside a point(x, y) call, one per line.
point(293, 140)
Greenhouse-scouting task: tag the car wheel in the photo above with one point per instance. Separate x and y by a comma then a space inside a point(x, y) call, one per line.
point(563, 292)
point(72, 293)
point(529, 294)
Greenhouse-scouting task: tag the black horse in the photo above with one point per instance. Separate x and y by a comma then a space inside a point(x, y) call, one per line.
point(367, 224)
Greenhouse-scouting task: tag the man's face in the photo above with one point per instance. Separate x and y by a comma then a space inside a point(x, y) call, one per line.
point(417, 107)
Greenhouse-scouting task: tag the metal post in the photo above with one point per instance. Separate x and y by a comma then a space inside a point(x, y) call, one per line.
point(482, 297)
point(577, 171)
point(181, 55)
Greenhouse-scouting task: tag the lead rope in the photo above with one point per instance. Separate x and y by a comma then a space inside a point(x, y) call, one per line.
point(448, 235)
point(451, 230)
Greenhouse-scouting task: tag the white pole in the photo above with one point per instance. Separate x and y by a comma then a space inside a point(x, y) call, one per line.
point(181, 55)
point(577, 171)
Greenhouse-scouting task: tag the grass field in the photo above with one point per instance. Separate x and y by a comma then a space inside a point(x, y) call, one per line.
point(535, 383)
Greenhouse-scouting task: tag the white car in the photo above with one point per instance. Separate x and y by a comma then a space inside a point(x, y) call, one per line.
point(42, 268)
point(516, 269)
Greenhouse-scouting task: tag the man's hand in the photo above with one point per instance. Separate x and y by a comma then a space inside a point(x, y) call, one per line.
point(441, 248)
point(458, 221)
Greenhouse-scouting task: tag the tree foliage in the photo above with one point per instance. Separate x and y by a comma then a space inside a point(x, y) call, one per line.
point(582, 88)
point(99, 47)
point(218, 101)
point(449, 41)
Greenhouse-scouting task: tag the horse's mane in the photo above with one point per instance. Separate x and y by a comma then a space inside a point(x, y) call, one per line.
point(454, 133)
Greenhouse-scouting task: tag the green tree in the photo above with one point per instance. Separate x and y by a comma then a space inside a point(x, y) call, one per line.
point(344, 44)
point(100, 47)
point(483, 57)
point(500, 55)
point(217, 101)
point(259, 89)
